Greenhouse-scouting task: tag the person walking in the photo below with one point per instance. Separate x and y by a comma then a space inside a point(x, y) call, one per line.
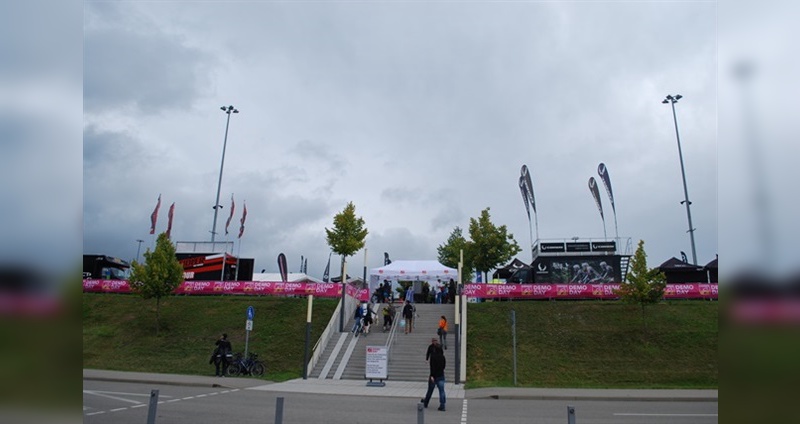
point(442, 332)
point(368, 319)
point(408, 316)
point(436, 378)
point(431, 348)
point(388, 314)
point(221, 355)
point(357, 320)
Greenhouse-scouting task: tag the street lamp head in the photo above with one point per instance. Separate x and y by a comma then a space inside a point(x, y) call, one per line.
point(678, 97)
point(236, 111)
point(222, 108)
point(664, 101)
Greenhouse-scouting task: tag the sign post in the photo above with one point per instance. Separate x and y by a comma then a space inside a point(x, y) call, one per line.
point(377, 365)
point(248, 326)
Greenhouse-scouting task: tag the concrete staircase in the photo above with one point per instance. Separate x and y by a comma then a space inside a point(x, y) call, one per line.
point(407, 355)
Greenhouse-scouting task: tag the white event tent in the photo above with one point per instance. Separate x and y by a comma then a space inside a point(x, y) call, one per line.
point(411, 271)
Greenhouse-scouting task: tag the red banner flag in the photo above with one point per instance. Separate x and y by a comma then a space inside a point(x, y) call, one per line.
point(154, 216)
point(228, 223)
point(169, 222)
point(244, 216)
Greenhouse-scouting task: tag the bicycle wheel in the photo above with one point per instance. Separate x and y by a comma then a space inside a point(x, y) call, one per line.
point(234, 369)
point(258, 369)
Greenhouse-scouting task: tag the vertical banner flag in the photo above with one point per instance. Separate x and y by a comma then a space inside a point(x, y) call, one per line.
point(282, 267)
point(683, 257)
point(154, 216)
point(524, 190)
point(386, 260)
point(326, 275)
point(596, 194)
point(529, 186)
point(228, 223)
point(602, 171)
point(301, 263)
point(244, 216)
point(169, 221)
point(305, 266)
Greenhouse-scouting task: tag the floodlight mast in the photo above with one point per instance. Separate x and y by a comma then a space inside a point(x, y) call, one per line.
point(228, 110)
point(672, 100)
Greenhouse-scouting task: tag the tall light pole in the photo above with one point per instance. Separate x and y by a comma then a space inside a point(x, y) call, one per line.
point(672, 100)
point(138, 249)
point(228, 110)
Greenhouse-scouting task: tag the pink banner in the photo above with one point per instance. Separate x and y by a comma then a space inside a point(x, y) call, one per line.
point(486, 291)
point(258, 288)
point(581, 291)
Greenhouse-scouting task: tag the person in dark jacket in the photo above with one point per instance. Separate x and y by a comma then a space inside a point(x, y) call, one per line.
point(436, 378)
point(408, 315)
point(221, 356)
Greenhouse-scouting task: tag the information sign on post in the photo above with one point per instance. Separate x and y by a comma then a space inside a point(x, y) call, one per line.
point(377, 365)
point(248, 326)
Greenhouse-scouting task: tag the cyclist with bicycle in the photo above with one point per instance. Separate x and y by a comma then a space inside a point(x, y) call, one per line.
point(222, 355)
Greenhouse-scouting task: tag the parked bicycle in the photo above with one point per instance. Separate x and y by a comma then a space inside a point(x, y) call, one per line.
point(250, 366)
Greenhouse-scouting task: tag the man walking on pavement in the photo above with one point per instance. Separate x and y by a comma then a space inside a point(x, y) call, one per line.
point(436, 378)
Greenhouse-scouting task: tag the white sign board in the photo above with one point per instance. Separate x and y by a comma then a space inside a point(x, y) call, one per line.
point(377, 362)
point(248, 325)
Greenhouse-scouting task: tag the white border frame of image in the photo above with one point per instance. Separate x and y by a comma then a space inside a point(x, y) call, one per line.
point(203, 246)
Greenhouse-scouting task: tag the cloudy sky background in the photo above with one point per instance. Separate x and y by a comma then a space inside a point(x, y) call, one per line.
point(421, 114)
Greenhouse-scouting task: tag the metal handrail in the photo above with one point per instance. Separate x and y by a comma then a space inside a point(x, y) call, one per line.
point(390, 339)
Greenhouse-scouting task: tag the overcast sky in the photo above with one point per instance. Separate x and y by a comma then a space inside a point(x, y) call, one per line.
point(420, 114)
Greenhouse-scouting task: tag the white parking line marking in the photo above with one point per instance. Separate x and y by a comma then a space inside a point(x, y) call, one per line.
point(464, 412)
point(137, 403)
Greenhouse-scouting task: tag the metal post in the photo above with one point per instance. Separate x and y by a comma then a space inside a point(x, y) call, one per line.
point(514, 341)
point(138, 249)
point(344, 281)
point(308, 336)
point(570, 414)
point(151, 410)
point(672, 100)
point(279, 410)
point(228, 110)
point(457, 335)
point(420, 413)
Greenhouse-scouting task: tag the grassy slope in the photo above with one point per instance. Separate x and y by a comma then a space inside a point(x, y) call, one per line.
point(119, 332)
point(594, 344)
point(559, 344)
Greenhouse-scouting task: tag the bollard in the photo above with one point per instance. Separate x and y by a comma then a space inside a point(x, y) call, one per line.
point(570, 414)
point(279, 410)
point(151, 411)
point(420, 413)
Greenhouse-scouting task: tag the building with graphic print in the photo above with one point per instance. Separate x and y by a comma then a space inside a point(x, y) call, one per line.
point(575, 262)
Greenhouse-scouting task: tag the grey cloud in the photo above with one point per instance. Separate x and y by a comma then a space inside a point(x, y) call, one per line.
point(147, 70)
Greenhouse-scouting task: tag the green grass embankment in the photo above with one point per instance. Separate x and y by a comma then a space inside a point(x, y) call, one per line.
point(559, 344)
point(119, 332)
point(594, 344)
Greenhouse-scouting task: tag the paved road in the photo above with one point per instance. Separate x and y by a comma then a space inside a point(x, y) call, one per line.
point(127, 402)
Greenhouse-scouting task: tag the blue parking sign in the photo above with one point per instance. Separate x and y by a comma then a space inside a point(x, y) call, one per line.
point(250, 312)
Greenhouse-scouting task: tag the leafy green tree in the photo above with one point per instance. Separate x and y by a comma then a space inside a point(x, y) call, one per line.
point(348, 233)
point(644, 286)
point(450, 252)
point(491, 245)
point(159, 276)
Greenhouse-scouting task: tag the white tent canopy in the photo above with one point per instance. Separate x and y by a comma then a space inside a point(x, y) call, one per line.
point(411, 271)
